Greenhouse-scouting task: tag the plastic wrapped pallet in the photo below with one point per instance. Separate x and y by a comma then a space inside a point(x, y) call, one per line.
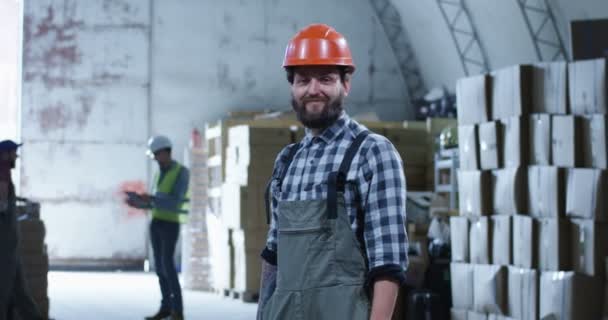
point(569, 296)
point(490, 289)
point(462, 285)
point(523, 293)
point(248, 244)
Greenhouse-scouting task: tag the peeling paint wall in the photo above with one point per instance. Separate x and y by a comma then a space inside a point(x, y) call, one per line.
point(101, 75)
point(85, 122)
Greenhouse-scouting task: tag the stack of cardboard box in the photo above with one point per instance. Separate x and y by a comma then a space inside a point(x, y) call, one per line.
point(532, 189)
point(34, 258)
point(222, 217)
point(250, 157)
point(196, 268)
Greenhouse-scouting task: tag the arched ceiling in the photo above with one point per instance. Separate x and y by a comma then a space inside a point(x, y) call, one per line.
point(502, 28)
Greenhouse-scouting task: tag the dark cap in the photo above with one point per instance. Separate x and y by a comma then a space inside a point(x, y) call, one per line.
point(9, 145)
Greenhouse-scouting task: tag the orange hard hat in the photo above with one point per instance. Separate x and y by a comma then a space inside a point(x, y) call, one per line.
point(318, 44)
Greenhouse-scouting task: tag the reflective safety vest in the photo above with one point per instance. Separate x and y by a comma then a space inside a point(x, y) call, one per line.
point(166, 186)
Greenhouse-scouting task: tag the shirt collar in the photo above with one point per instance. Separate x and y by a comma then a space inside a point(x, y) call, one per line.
point(173, 163)
point(330, 133)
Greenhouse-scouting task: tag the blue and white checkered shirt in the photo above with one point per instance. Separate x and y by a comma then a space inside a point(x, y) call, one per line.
point(375, 182)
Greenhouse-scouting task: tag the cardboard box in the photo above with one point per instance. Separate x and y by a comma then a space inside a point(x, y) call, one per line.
point(589, 246)
point(525, 239)
point(459, 239)
point(509, 191)
point(523, 293)
point(475, 196)
point(471, 315)
point(511, 91)
point(462, 285)
point(550, 88)
point(587, 39)
point(456, 314)
point(587, 86)
point(490, 145)
point(547, 191)
point(473, 99)
point(595, 141)
point(554, 245)
point(490, 289)
point(566, 141)
point(569, 296)
point(540, 139)
point(502, 231)
point(515, 138)
point(480, 237)
point(467, 144)
point(586, 194)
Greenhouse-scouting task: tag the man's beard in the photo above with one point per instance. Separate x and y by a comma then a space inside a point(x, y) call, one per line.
point(331, 112)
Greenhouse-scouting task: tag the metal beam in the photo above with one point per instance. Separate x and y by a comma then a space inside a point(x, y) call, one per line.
point(390, 19)
point(543, 30)
point(470, 51)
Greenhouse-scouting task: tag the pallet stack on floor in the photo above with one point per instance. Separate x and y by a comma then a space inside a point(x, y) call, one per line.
point(34, 258)
point(196, 265)
point(238, 173)
point(250, 157)
point(532, 237)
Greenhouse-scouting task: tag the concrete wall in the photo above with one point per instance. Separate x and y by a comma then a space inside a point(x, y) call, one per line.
point(100, 76)
point(211, 57)
point(85, 122)
point(10, 82)
point(501, 28)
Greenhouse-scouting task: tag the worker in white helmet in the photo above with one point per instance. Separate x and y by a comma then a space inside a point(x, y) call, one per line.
point(168, 204)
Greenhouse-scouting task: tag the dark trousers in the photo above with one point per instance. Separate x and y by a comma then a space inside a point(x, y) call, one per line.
point(14, 295)
point(22, 301)
point(163, 236)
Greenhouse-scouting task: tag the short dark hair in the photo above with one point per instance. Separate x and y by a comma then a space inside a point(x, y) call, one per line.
point(345, 73)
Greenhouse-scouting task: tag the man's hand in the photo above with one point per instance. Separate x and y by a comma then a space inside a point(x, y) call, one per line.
point(385, 295)
point(267, 286)
point(145, 197)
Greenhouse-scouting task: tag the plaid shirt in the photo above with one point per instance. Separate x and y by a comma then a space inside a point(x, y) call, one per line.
point(375, 181)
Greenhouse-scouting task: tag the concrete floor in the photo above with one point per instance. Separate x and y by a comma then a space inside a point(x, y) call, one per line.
point(129, 296)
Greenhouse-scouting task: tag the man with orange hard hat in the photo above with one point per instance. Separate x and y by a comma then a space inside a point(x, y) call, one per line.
point(337, 245)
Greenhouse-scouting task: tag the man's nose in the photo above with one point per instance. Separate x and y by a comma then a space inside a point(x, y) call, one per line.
point(314, 87)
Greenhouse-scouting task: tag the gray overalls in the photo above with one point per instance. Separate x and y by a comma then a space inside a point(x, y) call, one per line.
point(321, 264)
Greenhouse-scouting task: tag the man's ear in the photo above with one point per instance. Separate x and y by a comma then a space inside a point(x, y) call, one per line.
point(346, 84)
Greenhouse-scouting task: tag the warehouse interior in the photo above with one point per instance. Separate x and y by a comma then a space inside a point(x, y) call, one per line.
point(497, 109)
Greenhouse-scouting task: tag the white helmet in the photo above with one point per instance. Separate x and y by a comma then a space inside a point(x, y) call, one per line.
point(157, 143)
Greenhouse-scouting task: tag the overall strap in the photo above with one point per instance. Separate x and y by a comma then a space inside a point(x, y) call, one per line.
point(290, 156)
point(337, 180)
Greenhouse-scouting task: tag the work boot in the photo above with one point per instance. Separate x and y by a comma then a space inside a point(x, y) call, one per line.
point(176, 316)
point(160, 315)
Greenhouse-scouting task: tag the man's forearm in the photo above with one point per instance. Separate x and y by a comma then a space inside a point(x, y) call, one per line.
point(385, 295)
point(267, 286)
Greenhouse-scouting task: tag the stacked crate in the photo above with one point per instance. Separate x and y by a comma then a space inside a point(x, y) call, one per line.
point(223, 222)
point(531, 214)
point(34, 259)
point(196, 267)
point(250, 156)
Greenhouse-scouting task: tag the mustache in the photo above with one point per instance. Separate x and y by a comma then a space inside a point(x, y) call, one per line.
point(314, 99)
